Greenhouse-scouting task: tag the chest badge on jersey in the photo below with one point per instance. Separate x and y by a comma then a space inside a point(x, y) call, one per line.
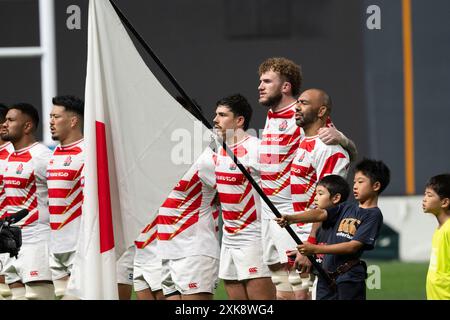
point(68, 161)
point(283, 126)
point(233, 166)
point(302, 157)
point(19, 169)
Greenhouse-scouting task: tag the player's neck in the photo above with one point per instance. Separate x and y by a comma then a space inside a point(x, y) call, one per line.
point(3, 142)
point(237, 137)
point(313, 129)
point(284, 102)
point(23, 143)
point(71, 138)
point(442, 217)
point(371, 202)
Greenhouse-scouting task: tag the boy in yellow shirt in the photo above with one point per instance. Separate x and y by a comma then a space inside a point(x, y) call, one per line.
point(437, 202)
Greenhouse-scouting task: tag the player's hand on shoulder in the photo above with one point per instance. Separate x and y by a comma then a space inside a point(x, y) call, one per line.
point(330, 135)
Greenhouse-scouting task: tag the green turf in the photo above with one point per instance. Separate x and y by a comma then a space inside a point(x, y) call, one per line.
point(399, 281)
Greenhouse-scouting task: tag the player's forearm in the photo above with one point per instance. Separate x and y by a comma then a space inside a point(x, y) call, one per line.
point(313, 215)
point(349, 145)
point(351, 247)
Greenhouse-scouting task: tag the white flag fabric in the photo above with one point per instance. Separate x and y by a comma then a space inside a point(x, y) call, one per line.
point(132, 129)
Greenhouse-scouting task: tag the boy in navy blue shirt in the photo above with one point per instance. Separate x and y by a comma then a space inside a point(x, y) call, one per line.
point(355, 227)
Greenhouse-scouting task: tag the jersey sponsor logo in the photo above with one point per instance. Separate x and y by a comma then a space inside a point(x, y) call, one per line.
point(68, 161)
point(225, 178)
point(12, 182)
point(283, 126)
point(252, 270)
point(57, 174)
point(193, 285)
point(19, 169)
point(34, 273)
point(273, 139)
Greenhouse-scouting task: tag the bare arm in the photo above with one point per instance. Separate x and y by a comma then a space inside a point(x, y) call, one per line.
point(334, 136)
point(350, 247)
point(313, 215)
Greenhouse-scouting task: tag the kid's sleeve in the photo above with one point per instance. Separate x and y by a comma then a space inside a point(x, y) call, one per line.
point(369, 230)
point(333, 215)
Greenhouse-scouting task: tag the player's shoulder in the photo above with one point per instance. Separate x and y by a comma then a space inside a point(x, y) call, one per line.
point(40, 150)
point(322, 147)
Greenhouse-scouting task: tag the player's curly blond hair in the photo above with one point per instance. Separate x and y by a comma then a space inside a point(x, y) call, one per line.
point(289, 70)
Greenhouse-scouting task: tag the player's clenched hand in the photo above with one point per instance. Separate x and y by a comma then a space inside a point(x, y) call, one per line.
point(330, 135)
point(302, 264)
point(283, 221)
point(306, 248)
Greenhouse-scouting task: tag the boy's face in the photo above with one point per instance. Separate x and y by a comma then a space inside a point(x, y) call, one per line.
point(363, 188)
point(431, 202)
point(323, 198)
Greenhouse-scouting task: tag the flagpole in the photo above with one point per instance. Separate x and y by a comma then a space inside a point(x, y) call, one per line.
point(199, 115)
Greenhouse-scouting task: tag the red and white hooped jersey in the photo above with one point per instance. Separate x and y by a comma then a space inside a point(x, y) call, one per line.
point(279, 143)
point(280, 140)
point(241, 206)
point(25, 185)
point(187, 220)
point(313, 161)
point(65, 195)
point(5, 151)
point(146, 244)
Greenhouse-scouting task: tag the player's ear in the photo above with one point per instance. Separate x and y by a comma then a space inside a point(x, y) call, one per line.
point(336, 198)
point(28, 127)
point(322, 111)
point(240, 121)
point(73, 121)
point(286, 87)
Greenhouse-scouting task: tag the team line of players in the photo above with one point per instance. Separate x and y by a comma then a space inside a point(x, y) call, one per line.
point(178, 255)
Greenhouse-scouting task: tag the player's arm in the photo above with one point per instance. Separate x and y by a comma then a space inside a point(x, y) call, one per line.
point(313, 215)
point(334, 136)
point(346, 248)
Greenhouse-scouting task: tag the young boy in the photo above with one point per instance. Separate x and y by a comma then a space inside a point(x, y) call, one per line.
point(330, 191)
point(355, 227)
point(437, 202)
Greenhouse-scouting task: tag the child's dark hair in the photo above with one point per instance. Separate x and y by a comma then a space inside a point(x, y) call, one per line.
point(70, 103)
point(441, 185)
point(376, 171)
point(29, 110)
point(336, 184)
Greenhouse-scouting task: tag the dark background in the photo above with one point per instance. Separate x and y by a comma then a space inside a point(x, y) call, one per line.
point(213, 48)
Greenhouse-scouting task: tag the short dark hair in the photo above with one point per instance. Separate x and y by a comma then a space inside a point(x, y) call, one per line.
point(239, 106)
point(70, 103)
point(440, 184)
point(29, 110)
point(336, 184)
point(376, 171)
point(3, 112)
